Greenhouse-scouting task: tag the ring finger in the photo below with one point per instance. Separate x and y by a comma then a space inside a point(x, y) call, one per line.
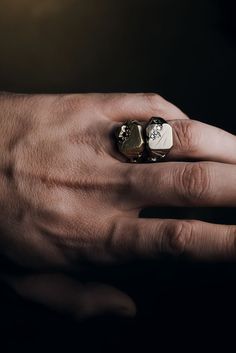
point(181, 184)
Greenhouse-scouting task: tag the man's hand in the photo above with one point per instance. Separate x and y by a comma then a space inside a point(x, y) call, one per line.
point(68, 197)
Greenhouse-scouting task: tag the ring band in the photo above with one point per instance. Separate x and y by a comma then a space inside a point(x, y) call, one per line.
point(140, 144)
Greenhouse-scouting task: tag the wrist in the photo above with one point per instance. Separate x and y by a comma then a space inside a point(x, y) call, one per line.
point(12, 122)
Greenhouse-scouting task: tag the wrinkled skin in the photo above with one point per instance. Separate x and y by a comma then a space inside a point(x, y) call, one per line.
point(69, 198)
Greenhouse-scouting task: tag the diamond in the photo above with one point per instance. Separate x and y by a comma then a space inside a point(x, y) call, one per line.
point(154, 133)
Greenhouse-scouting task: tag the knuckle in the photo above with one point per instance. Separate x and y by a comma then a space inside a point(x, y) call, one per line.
point(115, 239)
point(68, 103)
point(195, 182)
point(135, 181)
point(154, 102)
point(121, 180)
point(178, 237)
point(129, 178)
point(123, 239)
point(185, 133)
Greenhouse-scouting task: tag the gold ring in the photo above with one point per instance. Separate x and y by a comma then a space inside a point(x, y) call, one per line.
point(144, 144)
point(130, 140)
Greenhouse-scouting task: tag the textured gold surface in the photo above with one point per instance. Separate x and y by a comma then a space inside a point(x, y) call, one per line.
point(131, 140)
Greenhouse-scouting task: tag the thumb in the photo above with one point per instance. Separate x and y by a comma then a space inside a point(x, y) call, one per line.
point(66, 295)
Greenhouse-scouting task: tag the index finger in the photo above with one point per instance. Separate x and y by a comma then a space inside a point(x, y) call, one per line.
point(142, 106)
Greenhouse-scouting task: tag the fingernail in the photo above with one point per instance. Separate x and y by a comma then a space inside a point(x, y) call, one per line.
point(127, 310)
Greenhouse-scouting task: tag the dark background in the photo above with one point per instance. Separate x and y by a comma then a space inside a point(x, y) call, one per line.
point(185, 51)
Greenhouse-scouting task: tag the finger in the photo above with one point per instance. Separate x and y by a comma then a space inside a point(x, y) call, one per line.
point(68, 296)
point(142, 106)
point(181, 184)
point(149, 238)
point(196, 140)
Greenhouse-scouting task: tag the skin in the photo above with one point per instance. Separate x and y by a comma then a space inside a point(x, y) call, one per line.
point(68, 197)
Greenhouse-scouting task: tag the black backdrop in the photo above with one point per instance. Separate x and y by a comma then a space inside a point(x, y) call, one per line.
point(182, 49)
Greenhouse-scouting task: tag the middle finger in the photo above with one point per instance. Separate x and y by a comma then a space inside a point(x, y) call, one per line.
point(181, 184)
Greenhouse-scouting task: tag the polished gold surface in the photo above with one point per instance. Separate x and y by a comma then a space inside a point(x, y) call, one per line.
point(131, 140)
point(159, 139)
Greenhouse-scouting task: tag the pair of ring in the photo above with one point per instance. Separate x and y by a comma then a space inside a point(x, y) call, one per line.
point(150, 143)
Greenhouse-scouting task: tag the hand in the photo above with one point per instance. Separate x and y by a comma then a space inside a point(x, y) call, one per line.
point(69, 198)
